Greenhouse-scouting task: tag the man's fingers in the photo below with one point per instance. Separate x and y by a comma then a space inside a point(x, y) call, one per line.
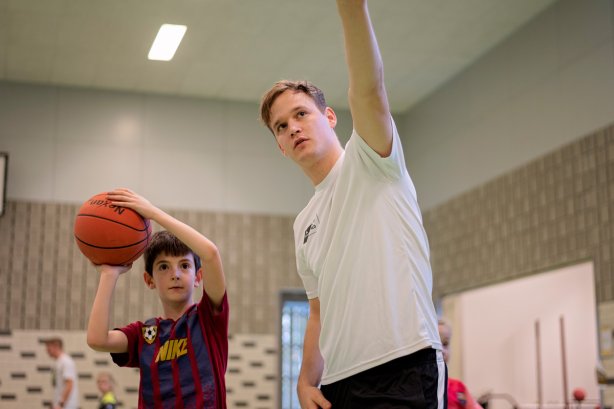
point(323, 403)
point(321, 400)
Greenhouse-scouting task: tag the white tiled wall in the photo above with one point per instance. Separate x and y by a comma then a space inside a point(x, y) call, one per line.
point(606, 321)
point(25, 371)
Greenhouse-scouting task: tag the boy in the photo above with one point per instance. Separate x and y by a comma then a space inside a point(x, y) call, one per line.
point(106, 385)
point(362, 253)
point(182, 355)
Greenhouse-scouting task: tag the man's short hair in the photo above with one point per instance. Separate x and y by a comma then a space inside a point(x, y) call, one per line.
point(53, 340)
point(279, 88)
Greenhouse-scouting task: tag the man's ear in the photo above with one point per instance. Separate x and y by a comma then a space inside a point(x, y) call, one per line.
point(198, 278)
point(283, 152)
point(331, 116)
point(149, 280)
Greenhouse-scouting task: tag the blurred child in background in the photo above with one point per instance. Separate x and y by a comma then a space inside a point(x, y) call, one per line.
point(458, 394)
point(106, 384)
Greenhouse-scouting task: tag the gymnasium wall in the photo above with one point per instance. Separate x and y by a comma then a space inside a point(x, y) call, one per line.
point(555, 211)
point(47, 287)
point(515, 116)
point(46, 283)
point(67, 144)
point(545, 86)
point(26, 375)
point(512, 159)
point(211, 164)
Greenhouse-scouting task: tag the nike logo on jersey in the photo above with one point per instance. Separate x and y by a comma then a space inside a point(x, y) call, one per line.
point(172, 349)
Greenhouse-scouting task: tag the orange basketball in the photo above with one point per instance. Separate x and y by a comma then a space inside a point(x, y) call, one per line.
point(108, 234)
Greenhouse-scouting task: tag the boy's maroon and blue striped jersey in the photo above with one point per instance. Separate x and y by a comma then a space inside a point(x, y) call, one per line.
point(182, 363)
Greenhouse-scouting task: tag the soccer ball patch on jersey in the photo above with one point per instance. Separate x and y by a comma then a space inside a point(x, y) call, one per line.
point(149, 333)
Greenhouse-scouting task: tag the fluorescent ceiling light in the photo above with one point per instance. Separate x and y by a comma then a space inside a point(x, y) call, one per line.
point(166, 42)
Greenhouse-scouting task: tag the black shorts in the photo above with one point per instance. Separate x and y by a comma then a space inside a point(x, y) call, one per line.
point(416, 381)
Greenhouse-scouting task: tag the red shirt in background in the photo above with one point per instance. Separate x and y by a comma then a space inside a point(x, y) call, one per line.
point(459, 397)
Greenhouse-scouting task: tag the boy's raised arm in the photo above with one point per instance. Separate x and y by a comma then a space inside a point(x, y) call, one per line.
point(99, 337)
point(367, 93)
point(213, 273)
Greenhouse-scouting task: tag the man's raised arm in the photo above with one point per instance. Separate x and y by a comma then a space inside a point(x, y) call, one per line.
point(367, 94)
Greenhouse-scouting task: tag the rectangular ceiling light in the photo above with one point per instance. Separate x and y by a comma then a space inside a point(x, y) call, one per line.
point(166, 42)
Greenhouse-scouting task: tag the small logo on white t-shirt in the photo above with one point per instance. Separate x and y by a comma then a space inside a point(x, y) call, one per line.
point(312, 229)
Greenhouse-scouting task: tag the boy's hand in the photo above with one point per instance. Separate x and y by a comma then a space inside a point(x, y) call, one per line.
point(127, 198)
point(115, 270)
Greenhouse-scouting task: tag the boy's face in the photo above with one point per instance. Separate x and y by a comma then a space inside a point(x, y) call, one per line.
point(303, 133)
point(174, 277)
point(445, 334)
point(104, 384)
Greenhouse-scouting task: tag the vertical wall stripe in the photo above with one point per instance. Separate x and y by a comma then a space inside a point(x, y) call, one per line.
point(46, 283)
point(556, 210)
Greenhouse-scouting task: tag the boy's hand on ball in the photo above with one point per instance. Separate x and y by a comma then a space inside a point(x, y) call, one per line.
point(114, 270)
point(110, 234)
point(127, 198)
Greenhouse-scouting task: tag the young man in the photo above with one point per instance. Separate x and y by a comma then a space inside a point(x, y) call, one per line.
point(182, 355)
point(362, 252)
point(64, 376)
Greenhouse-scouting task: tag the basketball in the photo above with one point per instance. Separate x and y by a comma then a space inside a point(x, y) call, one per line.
point(579, 394)
point(109, 234)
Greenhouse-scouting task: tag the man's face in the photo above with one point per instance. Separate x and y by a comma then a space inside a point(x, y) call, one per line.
point(303, 133)
point(53, 350)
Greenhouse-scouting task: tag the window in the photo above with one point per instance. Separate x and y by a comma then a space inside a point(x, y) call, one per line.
point(294, 315)
point(4, 163)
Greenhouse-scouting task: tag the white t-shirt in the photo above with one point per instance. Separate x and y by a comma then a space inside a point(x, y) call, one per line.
point(362, 250)
point(65, 369)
